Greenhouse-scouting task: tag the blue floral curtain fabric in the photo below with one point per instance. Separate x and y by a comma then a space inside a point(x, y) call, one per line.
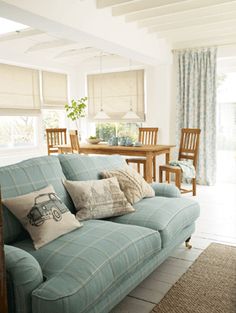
point(196, 104)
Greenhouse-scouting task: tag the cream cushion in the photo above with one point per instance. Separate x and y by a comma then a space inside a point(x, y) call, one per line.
point(131, 183)
point(43, 215)
point(95, 199)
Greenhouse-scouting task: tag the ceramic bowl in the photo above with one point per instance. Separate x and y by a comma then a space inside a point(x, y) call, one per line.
point(94, 140)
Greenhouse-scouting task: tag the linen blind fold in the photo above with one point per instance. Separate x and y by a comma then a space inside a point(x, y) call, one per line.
point(114, 92)
point(54, 89)
point(19, 90)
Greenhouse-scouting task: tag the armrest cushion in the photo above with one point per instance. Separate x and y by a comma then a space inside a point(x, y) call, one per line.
point(166, 190)
point(25, 274)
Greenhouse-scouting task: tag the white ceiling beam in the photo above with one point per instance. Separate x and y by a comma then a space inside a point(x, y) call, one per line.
point(218, 40)
point(77, 52)
point(200, 21)
point(175, 8)
point(193, 33)
point(49, 45)
point(20, 34)
point(109, 3)
point(141, 5)
point(189, 15)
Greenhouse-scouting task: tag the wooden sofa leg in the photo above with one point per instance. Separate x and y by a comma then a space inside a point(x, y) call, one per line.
point(187, 244)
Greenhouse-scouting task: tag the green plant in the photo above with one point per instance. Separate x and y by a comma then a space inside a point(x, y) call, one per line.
point(76, 109)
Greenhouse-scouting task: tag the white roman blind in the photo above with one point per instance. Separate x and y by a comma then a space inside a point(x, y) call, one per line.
point(116, 93)
point(19, 90)
point(54, 89)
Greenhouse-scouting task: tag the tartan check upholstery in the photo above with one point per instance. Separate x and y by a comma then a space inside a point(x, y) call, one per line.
point(84, 167)
point(166, 190)
point(91, 269)
point(81, 266)
point(25, 275)
point(25, 177)
point(169, 216)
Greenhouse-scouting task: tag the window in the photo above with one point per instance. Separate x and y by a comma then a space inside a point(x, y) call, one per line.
point(106, 130)
point(25, 100)
point(226, 128)
point(54, 90)
point(52, 119)
point(116, 93)
point(19, 90)
point(17, 131)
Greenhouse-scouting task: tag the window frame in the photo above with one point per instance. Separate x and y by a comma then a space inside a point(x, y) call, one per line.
point(39, 146)
point(137, 78)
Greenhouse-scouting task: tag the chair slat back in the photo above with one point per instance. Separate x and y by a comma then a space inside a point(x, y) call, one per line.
point(189, 144)
point(55, 137)
point(148, 135)
point(74, 141)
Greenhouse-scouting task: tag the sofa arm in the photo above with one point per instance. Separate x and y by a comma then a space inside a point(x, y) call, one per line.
point(25, 275)
point(166, 190)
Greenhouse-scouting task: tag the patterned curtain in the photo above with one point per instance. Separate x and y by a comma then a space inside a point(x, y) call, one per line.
point(196, 104)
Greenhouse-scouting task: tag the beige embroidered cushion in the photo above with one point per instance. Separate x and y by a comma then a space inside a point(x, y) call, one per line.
point(43, 215)
point(131, 183)
point(96, 199)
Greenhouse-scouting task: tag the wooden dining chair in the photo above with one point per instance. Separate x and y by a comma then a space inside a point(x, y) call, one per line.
point(147, 136)
point(188, 150)
point(55, 137)
point(74, 141)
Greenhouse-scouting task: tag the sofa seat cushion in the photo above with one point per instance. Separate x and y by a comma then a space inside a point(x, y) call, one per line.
point(169, 216)
point(81, 265)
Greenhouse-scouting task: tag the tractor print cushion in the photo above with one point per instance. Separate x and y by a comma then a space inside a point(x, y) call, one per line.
point(43, 215)
point(94, 199)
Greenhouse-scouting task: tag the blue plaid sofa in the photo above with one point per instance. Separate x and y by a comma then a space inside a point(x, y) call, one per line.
point(93, 268)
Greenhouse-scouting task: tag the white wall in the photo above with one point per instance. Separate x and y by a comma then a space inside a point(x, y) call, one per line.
point(77, 83)
point(158, 89)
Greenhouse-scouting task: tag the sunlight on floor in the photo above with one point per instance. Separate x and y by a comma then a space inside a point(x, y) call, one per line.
point(226, 166)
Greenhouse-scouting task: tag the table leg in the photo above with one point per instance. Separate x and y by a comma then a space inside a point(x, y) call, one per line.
point(149, 167)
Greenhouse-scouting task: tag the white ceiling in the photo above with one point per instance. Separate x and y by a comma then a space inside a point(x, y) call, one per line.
point(34, 45)
point(184, 23)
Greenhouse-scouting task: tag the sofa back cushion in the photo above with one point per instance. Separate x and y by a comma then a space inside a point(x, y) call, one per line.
point(83, 167)
point(25, 177)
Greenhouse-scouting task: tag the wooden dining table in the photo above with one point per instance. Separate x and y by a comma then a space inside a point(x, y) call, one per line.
point(147, 151)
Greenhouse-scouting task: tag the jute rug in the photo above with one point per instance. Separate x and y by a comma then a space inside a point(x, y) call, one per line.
point(209, 285)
